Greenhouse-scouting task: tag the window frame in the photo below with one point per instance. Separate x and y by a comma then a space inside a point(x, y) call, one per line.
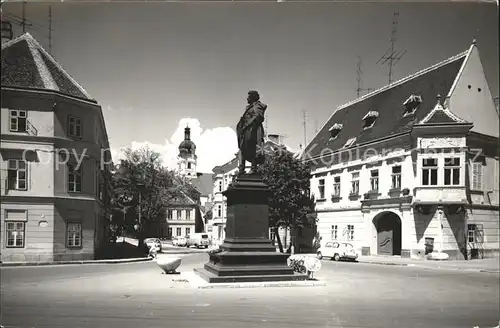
point(427, 170)
point(374, 180)
point(188, 214)
point(350, 232)
point(451, 170)
point(178, 231)
point(187, 231)
point(7, 230)
point(77, 232)
point(355, 182)
point(72, 124)
point(17, 171)
point(334, 232)
point(14, 116)
point(336, 186)
point(178, 215)
point(321, 188)
point(75, 173)
point(396, 176)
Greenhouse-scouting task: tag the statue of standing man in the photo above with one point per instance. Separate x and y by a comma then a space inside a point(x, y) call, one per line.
point(250, 133)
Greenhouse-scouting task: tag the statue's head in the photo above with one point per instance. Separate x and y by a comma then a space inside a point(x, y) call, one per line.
point(253, 96)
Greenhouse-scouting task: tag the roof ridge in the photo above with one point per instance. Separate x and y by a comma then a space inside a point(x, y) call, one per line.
point(392, 85)
point(406, 78)
point(43, 70)
point(30, 39)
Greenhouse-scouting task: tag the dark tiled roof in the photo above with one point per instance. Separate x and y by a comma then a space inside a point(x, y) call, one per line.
point(388, 102)
point(203, 183)
point(25, 64)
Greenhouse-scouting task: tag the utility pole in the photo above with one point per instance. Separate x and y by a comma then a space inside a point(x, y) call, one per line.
point(391, 57)
point(360, 79)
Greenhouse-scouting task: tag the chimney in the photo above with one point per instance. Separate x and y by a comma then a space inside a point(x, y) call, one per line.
point(274, 138)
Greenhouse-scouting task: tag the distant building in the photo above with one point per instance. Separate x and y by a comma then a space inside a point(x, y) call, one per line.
point(55, 198)
point(401, 172)
point(223, 176)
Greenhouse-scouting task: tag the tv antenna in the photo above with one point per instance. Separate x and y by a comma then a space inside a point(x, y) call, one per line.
point(360, 79)
point(391, 57)
point(304, 117)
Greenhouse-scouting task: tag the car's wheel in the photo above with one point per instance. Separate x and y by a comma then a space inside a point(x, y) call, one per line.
point(319, 255)
point(336, 257)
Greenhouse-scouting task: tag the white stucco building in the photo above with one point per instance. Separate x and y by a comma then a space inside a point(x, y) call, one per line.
point(413, 163)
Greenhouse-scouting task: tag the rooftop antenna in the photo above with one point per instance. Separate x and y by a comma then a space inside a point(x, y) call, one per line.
point(50, 29)
point(315, 126)
point(304, 116)
point(391, 57)
point(360, 79)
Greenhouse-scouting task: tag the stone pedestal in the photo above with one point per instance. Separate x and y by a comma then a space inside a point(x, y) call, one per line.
point(247, 254)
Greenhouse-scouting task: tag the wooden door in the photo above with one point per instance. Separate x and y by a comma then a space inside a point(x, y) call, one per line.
point(385, 237)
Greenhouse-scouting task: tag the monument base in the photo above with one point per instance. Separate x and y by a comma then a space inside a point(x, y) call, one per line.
point(247, 254)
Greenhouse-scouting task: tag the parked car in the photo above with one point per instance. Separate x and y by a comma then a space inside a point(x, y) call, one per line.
point(337, 251)
point(153, 241)
point(179, 241)
point(198, 240)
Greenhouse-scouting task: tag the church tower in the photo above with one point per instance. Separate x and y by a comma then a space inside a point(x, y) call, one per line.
point(186, 160)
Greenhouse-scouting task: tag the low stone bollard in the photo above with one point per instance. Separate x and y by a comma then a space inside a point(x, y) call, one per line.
point(169, 264)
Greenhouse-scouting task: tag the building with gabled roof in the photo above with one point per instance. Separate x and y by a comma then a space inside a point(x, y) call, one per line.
point(54, 160)
point(413, 167)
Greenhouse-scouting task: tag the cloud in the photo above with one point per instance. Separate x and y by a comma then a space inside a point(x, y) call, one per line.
point(213, 146)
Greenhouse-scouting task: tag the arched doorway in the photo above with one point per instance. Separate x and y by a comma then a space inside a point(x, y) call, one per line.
point(388, 226)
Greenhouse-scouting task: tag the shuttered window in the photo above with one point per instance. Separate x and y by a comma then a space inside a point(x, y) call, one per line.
point(477, 176)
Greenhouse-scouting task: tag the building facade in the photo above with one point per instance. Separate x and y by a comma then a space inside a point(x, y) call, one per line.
point(54, 161)
point(405, 171)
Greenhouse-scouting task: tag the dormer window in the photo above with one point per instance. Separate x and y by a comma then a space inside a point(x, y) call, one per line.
point(335, 130)
point(411, 104)
point(370, 119)
point(350, 142)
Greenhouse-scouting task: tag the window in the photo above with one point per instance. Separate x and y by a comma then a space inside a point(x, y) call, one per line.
point(477, 176)
point(188, 214)
point(15, 234)
point(335, 130)
point(411, 104)
point(189, 165)
point(74, 235)
point(374, 180)
point(188, 231)
point(170, 214)
point(272, 233)
point(169, 231)
point(18, 121)
point(369, 119)
point(178, 231)
point(219, 210)
point(220, 186)
point(471, 233)
point(452, 171)
point(74, 127)
point(334, 232)
point(179, 214)
point(321, 188)
point(336, 186)
point(349, 142)
point(355, 184)
point(350, 232)
point(396, 177)
point(17, 175)
point(74, 178)
point(429, 172)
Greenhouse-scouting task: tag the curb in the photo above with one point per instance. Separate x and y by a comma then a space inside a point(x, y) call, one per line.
point(262, 285)
point(24, 264)
point(431, 267)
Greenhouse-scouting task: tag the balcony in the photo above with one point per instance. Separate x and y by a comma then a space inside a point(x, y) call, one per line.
point(440, 195)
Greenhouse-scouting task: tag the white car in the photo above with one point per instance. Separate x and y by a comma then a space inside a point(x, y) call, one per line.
point(337, 251)
point(179, 241)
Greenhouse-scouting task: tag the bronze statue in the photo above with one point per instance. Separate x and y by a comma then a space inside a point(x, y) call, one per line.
point(251, 133)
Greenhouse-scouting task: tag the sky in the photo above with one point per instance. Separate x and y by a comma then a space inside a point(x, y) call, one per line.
point(157, 67)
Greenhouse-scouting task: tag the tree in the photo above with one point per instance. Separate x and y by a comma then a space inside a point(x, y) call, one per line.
point(290, 204)
point(142, 183)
